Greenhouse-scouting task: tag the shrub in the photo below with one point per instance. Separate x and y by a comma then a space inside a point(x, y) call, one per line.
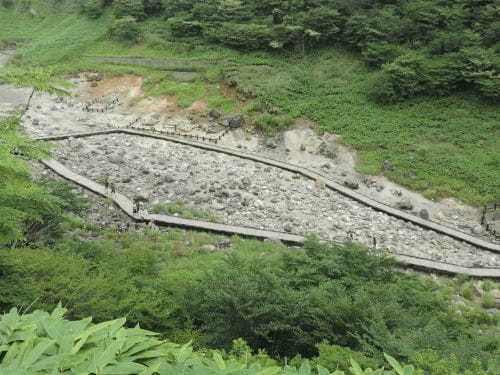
point(7, 3)
point(242, 36)
point(92, 8)
point(468, 292)
point(335, 357)
point(487, 285)
point(129, 8)
point(376, 54)
point(153, 7)
point(488, 301)
point(182, 28)
point(42, 343)
point(270, 124)
point(125, 30)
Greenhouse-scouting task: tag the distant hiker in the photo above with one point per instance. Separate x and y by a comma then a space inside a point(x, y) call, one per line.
point(113, 188)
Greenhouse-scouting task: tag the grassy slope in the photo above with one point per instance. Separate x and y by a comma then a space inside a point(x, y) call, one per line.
point(449, 144)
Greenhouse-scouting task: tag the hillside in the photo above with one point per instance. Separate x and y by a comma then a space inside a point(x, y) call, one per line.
point(272, 187)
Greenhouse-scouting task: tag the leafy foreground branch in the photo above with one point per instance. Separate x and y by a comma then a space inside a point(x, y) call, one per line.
point(43, 343)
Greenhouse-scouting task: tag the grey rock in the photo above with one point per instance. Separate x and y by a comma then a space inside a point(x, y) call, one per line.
point(246, 182)
point(424, 214)
point(271, 144)
point(288, 228)
point(209, 248)
point(328, 150)
point(351, 184)
point(214, 114)
point(36, 122)
point(141, 198)
point(410, 175)
point(388, 166)
point(224, 244)
point(115, 159)
point(302, 148)
point(404, 204)
point(234, 121)
point(397, 193)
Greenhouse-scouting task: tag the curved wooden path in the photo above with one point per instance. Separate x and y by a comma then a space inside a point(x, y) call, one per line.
point(126, 205)
point(427, 224)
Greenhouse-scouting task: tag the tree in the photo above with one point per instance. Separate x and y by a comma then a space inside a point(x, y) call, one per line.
point(23, 203)
point(92, 8)
point(129, 8)
point(125, 30)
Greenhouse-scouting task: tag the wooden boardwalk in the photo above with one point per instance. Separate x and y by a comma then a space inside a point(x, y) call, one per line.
point(378, 206)
point(127, 206)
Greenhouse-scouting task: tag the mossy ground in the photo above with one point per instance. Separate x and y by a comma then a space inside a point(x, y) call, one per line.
point(443, 147)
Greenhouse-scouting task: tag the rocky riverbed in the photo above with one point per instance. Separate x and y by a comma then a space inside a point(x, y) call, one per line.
point(113, 106)
point(248, 193)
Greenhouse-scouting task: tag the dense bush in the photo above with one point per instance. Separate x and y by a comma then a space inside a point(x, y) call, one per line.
point(343, 295)
point(181, 28)
point(129, 8)
point(125, 30)
point(92, 8)
point(381, 31)
point(42, 344)
point(26, 208)
point(7, 3)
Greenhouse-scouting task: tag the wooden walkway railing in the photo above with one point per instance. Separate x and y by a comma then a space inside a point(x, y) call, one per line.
point(127, 206)
point(427, 224)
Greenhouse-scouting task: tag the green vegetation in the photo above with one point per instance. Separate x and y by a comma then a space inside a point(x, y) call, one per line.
point(41, 343)
point(322, 302)
point(180, 208)
point(256, 308)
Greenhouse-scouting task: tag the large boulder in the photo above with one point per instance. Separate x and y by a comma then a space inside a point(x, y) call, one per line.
point(234, 120)
point(405, 204)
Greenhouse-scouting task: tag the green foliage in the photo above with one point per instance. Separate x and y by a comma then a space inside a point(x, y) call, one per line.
point(242, 36)
point(7, 3)
point(41, 343)
point(181, 28)
point(335, 357)
point(125, 30)
point(271, 124)
point(468, 292)
point(487, 285)
point(24, 205)
point(488, 301)
point(129, 8)
point(92, 8)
